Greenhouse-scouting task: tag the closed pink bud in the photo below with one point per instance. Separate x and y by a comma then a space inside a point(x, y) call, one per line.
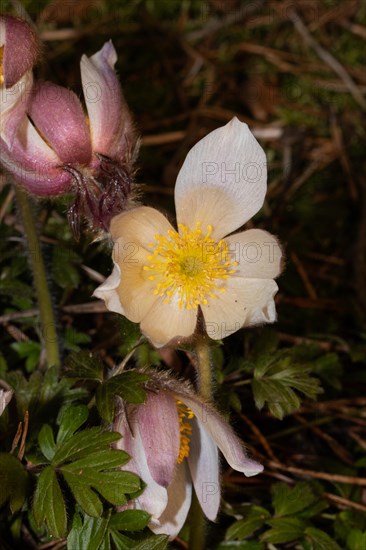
point(19, 49)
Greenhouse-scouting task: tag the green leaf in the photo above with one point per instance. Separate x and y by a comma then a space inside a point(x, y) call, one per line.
point(83, 444)
point(47, 442)
point(291, 500)
point(242, 545)
point(48, 503)
point(356, 540)
point(65, 263)
point(284, 529)
point(87, 536)
point(72, 339)
point(122, 542)
point(70, 420)
point(87, 499)
point(127, 385)
point(100, 460)
point(13, 482)
point(328, 367)
point(30, 351)
point(275, 381)
point(84, 366)
point(113, 485)
point(155, 542)
point(320, 540)
point(252, 520)
point(129, 520)
point(104, 399)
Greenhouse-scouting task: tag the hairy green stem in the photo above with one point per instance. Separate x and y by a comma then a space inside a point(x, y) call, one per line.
point(197, 535)
point(204, 368)
point(48, 325)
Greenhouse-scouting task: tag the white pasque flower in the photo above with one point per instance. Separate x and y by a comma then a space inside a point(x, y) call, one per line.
point(162, 276)
point(173, 439)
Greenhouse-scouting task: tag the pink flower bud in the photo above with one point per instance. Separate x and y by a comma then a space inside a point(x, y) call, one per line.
point(174, 439)
point(18, 53)
point(58, 146)
point(19, 49)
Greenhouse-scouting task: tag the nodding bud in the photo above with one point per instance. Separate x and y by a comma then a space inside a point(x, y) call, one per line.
point(18, 53)
point(18, 49)
point(52, 146)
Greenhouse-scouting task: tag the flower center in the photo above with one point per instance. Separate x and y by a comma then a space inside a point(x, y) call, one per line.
point(184, 414)
point(189, 265)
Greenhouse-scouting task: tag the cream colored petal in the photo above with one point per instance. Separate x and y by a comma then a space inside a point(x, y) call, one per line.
point(203, 462)
point(257, 253)
point(164, 322)
point(179, 501)
point(107, 291)
point(223, 180)
point(5, 398)
point(135, 291)
point(154, 498)
point(223, 436)
point(139, 226)
point(245, 302)
point(13, 105)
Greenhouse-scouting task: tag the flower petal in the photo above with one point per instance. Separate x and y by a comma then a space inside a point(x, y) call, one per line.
point(139, 226)
point(224, 437)
point(245, 302)
point(110, 121)
point(59, 117)
point(13, 106)
point(163, 322)
point(5, 398)
point(20, 48)
point(132, 232)
point(179, 501)
point(34, 164)
point(203, 463)
point(257, 253)
point(160, 434)
point(107, 291)
point(228, 170)
point(154, 498)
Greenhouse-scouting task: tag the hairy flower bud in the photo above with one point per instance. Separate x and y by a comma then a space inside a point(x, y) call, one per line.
point(60, 148)
point(18, 54)
point(174, 439)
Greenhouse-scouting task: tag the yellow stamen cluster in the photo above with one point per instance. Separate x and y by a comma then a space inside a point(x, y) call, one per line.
point(189, 265)
point(184, 414)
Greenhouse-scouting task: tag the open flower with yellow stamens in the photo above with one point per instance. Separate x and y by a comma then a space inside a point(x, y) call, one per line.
point(173, 440)
point(163, 277)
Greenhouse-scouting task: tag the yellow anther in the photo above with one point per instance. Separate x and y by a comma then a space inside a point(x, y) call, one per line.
point(185, 428)
point(189, 265)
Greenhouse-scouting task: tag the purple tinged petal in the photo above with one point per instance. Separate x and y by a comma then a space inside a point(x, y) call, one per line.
point(13, 106)
point(154, 499)
point(179, 502)
point(222, 434)
point(58, 115)
point(109, 118)
point(159, 427)
point(33, 164)
point(203, 461)
point(20, 48)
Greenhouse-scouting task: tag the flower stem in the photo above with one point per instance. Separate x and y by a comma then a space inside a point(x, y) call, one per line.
point(197, 533)
point(204, 368)
point(48, 325)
